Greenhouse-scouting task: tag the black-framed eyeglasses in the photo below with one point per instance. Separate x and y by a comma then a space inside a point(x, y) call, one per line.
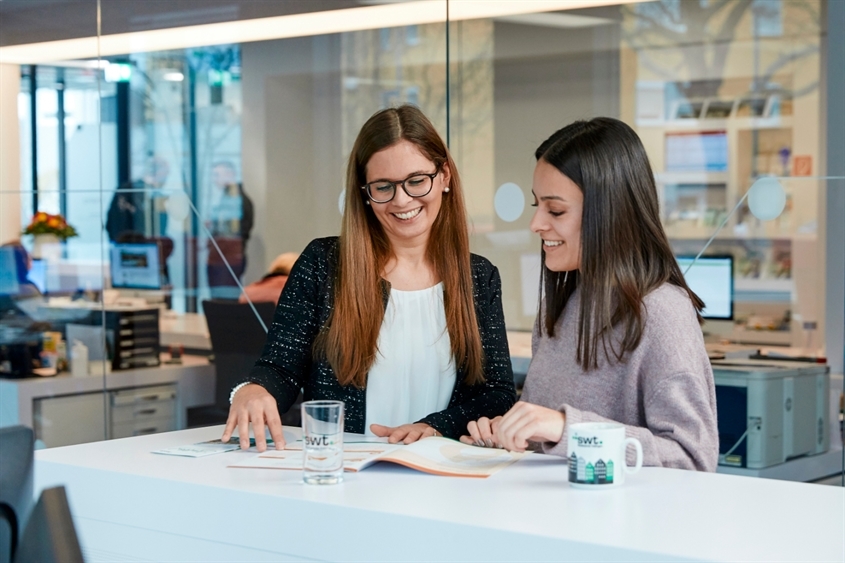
point(383, 191)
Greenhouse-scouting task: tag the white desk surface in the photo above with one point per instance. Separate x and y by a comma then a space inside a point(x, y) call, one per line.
point(188, 329)
point(130, 503)
point(195, 377)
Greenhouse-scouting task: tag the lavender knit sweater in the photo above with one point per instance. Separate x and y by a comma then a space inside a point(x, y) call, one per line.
point(663, 392)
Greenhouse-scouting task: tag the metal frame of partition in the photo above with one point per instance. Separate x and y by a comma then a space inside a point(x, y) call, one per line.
point(33, 106)
point(833, 51)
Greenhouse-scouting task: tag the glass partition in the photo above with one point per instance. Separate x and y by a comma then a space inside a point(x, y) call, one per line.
point(55, 352)
point(188, 161)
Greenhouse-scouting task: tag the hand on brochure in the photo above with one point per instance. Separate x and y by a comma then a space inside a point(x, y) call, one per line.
point(252, 403)
point(483, 432)
point(523, 423)
point(527, 422)
point(407, 433)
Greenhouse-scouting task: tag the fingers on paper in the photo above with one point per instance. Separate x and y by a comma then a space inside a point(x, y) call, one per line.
point(243, 430)
point(514, 429)
point(482, 432)
point(274, 423)
point(231, 424)
point(398, 434)
point(380, 431)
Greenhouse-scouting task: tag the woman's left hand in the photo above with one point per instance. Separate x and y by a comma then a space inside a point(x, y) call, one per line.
point(407, 433)
point(525, 422)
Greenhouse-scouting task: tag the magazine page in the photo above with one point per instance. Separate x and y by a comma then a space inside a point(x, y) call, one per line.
point(442, 456)
point(356, 457)
point(434, 455)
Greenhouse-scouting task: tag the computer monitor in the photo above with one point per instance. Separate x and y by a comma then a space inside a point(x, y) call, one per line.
point(712, 279)
point(135, 266)
point(38, 274)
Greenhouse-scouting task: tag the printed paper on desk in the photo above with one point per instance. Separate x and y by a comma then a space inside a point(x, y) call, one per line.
point(353, 460)
point(200, 449)
point(437, 456)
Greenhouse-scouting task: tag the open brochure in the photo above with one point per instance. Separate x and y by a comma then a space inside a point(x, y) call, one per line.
point(435, 455)
point(211, 447)
point(202, 449)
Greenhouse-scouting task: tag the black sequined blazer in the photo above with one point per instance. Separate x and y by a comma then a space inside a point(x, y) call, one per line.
point(287, 363)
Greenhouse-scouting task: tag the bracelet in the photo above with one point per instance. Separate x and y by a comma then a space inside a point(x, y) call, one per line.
point(237, 388)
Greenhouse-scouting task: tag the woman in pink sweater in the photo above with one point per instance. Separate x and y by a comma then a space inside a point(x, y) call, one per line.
point(618, 333)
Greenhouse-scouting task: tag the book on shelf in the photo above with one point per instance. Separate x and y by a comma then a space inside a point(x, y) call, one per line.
point(434, 455)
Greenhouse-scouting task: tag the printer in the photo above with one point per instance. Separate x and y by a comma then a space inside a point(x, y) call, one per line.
point(771, 411)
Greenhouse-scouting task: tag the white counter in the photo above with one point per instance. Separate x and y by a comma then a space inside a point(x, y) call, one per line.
point(130, 504)
point(186, 329)
point(195, 377)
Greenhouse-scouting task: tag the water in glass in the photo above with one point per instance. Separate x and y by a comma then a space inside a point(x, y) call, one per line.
point(322, 436)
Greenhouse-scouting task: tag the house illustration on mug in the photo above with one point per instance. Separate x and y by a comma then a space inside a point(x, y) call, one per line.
point(582, 471)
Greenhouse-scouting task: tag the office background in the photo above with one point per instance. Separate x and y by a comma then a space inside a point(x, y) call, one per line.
point(231, 142)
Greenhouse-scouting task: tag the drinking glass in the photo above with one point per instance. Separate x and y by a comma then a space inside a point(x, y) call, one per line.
point(322, 436)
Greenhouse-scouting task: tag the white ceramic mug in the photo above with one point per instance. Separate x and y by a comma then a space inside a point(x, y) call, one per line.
point(596, 453)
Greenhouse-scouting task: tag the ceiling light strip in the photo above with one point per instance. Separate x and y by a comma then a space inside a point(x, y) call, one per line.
point(417, 12)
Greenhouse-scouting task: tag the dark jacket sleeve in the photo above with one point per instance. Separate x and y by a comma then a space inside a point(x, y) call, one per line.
point(497, 394)
point(286, 360)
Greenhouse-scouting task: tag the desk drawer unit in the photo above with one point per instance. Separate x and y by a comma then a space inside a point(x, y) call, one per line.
point(142, 427)
point(69, 419)
point(143, 410)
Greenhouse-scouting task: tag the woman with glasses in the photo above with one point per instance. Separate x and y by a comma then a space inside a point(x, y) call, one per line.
point(617, 337)
point(395, 317)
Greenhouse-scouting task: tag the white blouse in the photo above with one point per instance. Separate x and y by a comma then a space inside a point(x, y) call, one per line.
point(414, 372)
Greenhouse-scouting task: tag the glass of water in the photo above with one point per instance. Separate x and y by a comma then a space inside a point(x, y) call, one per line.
point(322, 437)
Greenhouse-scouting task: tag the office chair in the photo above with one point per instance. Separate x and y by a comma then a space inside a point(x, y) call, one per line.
point(237, 340)
point(16, 494)
point(49, 536)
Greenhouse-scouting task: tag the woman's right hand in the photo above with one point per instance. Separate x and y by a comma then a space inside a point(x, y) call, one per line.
point(252, 403)
point(482, 432)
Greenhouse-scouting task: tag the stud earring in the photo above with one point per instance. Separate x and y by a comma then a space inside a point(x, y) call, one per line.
point(367, 202)
point(446, 190)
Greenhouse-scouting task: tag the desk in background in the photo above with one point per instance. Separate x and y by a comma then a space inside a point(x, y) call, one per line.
point(130, 504)
point(186, 329)
point(191, 331)
point(79, 409)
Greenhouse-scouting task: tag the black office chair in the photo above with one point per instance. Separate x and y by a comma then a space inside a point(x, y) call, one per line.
point(49, 536)
point(16, 494)
point(237, 340)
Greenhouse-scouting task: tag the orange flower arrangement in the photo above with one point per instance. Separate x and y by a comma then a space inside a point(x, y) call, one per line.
point(46, 224)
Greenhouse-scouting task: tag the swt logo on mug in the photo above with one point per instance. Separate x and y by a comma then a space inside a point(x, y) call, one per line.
point(592, 441)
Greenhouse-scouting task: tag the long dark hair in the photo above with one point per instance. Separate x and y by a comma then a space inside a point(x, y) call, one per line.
point(350, 342)
point(624, 251)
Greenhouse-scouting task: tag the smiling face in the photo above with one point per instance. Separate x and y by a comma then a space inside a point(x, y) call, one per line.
point(559, 202)
point(406, 220)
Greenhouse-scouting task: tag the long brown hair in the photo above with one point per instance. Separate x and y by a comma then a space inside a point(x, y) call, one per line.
point(624, 251)
point(350, 340)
